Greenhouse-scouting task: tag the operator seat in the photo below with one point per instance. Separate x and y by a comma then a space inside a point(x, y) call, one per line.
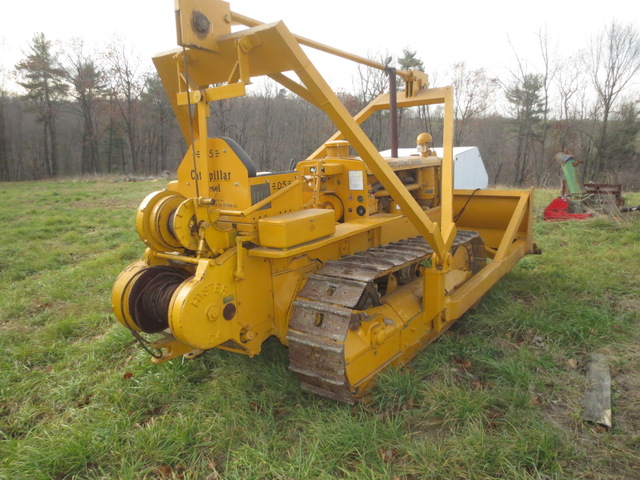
point(242, 155)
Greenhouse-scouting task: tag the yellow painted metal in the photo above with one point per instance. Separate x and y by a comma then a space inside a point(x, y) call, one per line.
point(272, 180)
point(373, 160)
point(152, 220)
point(395, 331)
point(196, 310)
point(185, 225)
point(161, 227)
point(120, 293)
point(473, 290)
point(501, 216)
point(171, 348)
point(249, 242)
point(295, 228)
point(200, 22)
point(413, 78)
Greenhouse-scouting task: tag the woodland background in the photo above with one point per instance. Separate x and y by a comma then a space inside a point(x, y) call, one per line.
point(65, 111)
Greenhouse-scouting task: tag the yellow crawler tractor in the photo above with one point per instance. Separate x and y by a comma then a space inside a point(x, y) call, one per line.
point(352, 260)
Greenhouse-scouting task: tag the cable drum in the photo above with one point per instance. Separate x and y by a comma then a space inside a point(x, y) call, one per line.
point(154, 221)
point(151, 294)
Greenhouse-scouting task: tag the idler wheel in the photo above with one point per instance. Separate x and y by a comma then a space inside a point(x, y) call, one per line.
point(151, 294)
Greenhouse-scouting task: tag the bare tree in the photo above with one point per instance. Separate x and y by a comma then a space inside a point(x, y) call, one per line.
point(547, 74)
point(625, 135)
point(613, 61)
point(241, 115)
point(4, 140)
point(88, 89)
point(221, 110)
point(568, 83)
point(302, 117)
point(474, 92)
point(431, 118)
point(270, 132)
point(370, 83)
point(127, 81)
point(114, 143)
point(159, 126)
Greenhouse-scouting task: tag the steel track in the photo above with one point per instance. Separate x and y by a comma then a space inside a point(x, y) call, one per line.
point(334, 299)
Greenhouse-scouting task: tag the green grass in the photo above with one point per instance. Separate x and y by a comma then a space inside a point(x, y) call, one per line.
point(496, 397)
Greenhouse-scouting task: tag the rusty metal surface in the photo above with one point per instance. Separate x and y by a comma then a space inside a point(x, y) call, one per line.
point(338, 291)
point(330, 302)
point(604, 193)
point(320, 318)
point(353, 271)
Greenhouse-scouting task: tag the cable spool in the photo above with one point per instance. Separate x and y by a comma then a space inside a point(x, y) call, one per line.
point(154, 221)
point(162, 222)
point(150, 296)
point(185, 225)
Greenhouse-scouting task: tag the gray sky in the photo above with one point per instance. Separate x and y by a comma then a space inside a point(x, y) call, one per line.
point(442, 32)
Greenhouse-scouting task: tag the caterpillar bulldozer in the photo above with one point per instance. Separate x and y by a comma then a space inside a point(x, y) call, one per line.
point(355, 262)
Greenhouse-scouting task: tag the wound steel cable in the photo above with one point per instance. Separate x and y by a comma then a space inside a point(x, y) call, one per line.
point(191, 131)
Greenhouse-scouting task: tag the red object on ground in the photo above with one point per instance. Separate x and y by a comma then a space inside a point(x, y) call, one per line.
point(558, 210)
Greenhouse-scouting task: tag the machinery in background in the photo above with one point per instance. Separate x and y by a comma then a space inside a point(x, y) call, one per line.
point(469, 171)
point(354, 261)
point(579, 201)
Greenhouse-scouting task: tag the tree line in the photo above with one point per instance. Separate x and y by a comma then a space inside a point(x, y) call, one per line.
point(81, 113)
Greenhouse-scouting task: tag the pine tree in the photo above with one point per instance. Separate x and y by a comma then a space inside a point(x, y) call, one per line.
point(527, 108)
point(43, 79)
point(410, 61)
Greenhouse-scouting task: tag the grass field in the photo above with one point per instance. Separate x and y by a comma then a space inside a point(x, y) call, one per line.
point(499, 396)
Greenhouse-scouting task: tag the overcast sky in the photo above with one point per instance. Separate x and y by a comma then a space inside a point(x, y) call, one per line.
point(441, 32)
